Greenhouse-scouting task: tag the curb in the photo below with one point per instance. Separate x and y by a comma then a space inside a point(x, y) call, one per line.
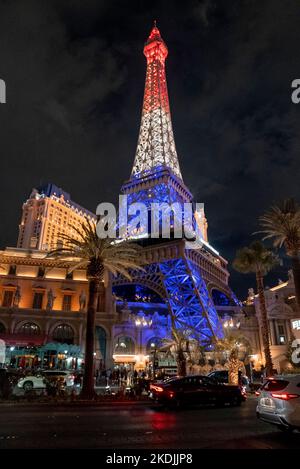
point(73, 404)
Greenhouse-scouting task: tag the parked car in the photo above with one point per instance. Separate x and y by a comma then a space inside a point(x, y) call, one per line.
point(222, 377)
point(31, 382)
point(279, 402)
point(194, 390)
point(39, 381)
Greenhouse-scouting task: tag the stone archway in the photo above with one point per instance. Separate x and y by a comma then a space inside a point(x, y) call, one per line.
point(100, 346)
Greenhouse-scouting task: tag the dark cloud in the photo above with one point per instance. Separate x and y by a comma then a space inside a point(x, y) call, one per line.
point(75, 73)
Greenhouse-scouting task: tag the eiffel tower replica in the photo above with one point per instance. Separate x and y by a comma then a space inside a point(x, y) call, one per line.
point(188, 280)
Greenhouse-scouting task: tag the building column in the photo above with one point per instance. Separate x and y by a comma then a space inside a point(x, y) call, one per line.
point(288, 329)
point(272, 332)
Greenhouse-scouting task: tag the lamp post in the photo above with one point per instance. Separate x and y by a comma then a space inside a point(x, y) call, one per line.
point(141, 322)
point(153, 351)
point(230, 324)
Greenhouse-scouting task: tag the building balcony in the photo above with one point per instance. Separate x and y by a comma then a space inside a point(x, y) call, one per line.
point(35, 312)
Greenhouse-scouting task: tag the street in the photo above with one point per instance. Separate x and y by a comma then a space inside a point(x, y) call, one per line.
point(138, 425)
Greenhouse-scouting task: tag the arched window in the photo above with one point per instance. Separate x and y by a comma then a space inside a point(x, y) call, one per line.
point(101, 341)
point(2, 328)
point(64, 334)
point(30, 328)
point(124, 346)
point(154, 344)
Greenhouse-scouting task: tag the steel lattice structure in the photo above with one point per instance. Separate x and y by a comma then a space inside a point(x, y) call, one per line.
point(173, 272)
point(189, 300)
point(156, 145)
point(179, 281)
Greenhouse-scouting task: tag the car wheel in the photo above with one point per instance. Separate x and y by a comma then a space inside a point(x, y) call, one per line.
point(28, 386)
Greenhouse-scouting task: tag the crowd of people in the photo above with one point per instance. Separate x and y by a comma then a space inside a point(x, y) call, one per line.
point(124, 378)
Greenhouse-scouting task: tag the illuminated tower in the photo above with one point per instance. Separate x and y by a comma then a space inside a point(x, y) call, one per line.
point(156, 145)
point(156, 175)
point(189, 280)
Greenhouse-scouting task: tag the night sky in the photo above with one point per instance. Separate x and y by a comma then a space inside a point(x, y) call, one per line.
point(75, 73)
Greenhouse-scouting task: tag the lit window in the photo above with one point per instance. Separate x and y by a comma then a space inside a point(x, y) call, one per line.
point(29, 328)
point(37, 300)
point(67, 303)
point(7, 298)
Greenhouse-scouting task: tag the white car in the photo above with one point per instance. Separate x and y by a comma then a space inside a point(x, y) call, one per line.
point(38, 381)
point(31, 382)
point(279, 402)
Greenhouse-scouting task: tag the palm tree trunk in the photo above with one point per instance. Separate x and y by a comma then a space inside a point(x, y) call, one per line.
point(181, 363)
point(264, 323)
point(234, 364)
point(88, 391)
point(296, 275)
point(233, 371)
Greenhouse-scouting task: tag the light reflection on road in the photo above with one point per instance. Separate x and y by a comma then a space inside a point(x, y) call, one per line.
point(163, 420)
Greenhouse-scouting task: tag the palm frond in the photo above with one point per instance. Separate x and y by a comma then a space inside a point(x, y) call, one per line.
point(282, 223)
point(255, 257)
point(88, 248)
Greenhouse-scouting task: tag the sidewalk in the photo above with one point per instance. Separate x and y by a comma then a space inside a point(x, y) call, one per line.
point(76, 403)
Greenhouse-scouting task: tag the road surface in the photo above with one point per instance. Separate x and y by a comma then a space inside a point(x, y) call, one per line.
point(137, 426)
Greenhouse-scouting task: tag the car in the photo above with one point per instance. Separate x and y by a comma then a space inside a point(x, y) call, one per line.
point(194, 390)
point(39, 381)
point(31, 382)
point(222, 377)
point(279, 402)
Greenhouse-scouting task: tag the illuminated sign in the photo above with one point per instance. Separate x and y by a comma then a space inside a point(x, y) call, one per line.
point(2, 92)
point(296, 324)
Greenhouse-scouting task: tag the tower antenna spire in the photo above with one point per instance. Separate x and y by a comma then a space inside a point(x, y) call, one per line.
point(156, 145)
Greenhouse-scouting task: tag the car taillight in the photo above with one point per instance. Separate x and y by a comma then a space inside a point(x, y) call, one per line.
point(257, 393)
point(171, 394)
point(156, 388)
point(284, 396)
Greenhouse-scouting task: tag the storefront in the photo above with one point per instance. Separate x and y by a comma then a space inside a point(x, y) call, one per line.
point(61, 356)
point(31, 352)
point(23, 351)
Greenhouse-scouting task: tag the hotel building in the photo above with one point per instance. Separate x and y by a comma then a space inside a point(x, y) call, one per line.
point(48, 212)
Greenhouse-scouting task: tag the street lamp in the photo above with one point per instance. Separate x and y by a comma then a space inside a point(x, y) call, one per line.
point(141, 322)
point(153, 350)
point(231, 324)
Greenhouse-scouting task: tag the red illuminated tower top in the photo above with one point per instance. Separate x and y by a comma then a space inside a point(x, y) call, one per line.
point(156, 145)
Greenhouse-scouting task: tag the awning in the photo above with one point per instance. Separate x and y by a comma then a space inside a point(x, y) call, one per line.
point(22, 340)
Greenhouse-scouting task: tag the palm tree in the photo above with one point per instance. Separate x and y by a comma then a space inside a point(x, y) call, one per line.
point(282, 222)
point(183, 336)
point(97, 255)
point(230, 344)
point(259, 260)
point(177, 345)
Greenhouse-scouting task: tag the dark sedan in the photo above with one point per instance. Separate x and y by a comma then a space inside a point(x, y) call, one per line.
point(195, 390)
